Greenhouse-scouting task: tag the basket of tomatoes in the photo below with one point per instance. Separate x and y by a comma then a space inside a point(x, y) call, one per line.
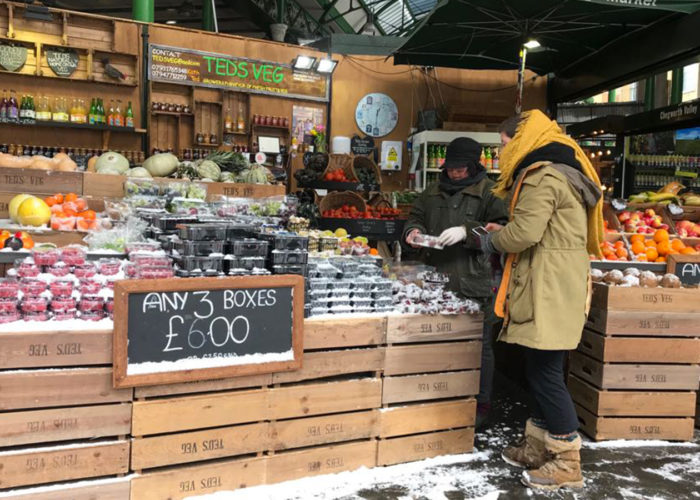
point(70, 213)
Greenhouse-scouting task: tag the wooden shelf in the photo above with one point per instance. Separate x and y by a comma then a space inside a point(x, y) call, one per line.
point(274, 127)
point(196, 146)
point(79, 126)
point(171, 113)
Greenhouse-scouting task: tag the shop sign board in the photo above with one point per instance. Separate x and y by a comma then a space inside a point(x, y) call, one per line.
point(221, 71)
point(362, 145)
point(12, 57)
point(63, 62)
point(686, 267)
point(179, 330)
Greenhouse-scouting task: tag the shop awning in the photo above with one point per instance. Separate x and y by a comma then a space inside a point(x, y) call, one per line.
point(488, 34)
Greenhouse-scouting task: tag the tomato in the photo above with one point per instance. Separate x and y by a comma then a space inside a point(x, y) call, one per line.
point(80, 204)
point(59, 198)
point(70, 197)
point(50, 200)
point(88, 215)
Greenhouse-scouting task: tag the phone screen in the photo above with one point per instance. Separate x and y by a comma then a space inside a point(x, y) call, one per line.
point(480, 231)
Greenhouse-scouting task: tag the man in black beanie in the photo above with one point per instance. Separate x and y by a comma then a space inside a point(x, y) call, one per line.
point(460, 201)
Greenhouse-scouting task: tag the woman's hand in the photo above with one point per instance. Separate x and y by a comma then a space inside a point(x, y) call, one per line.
point(492, 227)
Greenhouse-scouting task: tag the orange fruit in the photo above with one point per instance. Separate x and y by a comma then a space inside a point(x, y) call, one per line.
point(621, 252)
point(671, 251)
point(619, 244)
point(661, 235)
point(677, 244)
point(637, 238)
point(661, 259)
point(638, 247)
point(688, 251)
point(650, 243)
point(652, 254)
point(642, 257)
point(664, 247)
point(612, 256)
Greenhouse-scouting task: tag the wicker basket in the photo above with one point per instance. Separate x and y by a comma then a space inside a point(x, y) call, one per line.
point(367, 162)
point(337, 199)
point(341, 161)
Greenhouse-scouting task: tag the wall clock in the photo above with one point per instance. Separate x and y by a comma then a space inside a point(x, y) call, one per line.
point(376, 114)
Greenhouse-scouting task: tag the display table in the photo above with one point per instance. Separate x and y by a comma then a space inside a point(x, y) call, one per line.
point(373, 390)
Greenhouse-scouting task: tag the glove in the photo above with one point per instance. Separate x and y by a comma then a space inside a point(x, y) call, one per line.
point(410, 236)
point(452, 236)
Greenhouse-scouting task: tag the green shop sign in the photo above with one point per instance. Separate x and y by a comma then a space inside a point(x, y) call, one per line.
point(204, 69)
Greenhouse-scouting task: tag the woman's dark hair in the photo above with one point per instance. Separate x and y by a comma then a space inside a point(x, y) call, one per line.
point(510, 125)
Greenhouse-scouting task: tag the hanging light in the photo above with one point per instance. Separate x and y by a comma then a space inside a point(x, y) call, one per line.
point(532, 44)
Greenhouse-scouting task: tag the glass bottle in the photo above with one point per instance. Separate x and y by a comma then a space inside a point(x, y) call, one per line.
point(110, 114)
point(43, 112)
point(118, 118)
point(489, 159)
point(92, 115)
point(482, 159)
point(129, 117)
point(13, 107)
point(240, 121)
point(3, 106)
point(495, 158)
point(74, 111)
point(228, 121)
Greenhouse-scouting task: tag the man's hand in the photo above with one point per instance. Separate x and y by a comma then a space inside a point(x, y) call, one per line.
point(492, 227)
point(452, 236)
point(410, 237)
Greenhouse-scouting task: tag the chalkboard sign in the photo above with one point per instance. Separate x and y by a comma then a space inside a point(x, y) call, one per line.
point(12, 57)
point(362, 146)
point(686, 267)
point(179, 330)
point(63, 62)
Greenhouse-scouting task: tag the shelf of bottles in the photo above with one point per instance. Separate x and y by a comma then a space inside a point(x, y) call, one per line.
point(435, 158)
point(62, 111)
point(651, 172)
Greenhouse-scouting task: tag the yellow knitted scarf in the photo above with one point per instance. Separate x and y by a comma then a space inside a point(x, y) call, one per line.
point(537, 130)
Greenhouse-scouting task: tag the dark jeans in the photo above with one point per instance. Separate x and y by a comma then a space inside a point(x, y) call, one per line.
point(550, 397)
point(488, 364)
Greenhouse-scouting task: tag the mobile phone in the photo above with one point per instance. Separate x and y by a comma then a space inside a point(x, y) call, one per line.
point(480, 231)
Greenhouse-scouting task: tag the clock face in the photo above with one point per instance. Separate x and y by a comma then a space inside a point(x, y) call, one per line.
point(376, 114)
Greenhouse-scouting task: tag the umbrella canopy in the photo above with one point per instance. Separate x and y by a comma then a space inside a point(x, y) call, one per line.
point(488, 34)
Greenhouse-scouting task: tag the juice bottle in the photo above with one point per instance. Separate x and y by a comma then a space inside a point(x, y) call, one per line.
point(3, 106)
point(110, 115)
point(43, 112)
point(129, 117)
point(74, 111)
point(92, 116)
point(13, 107)
point(118, 117)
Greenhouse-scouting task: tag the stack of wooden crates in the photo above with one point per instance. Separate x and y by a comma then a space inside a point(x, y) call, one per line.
point(635, 373)
point(60, 418)
point(372, 391)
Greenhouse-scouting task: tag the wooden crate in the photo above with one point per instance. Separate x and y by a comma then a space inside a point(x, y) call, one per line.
point(182, 482)
point(348, 332)
point(56, 348)
point(102, 489)
point(411, 388)
point(30, 466)
point(65, 424)
point(237, 190)
point(640, 350)
point(40, 182)
point(428, 358)
point(617, 298)
point(186, 447)
point(301, 432)
point(238, 407)
point(426, 417)
point(23, 389)
point(634, 376)
point(318, 460)
point(323, 364)
point(604, 428)
point(427, 328)
point(605, 403)
point(422, 446)
point(644, 323)
point(103, 185)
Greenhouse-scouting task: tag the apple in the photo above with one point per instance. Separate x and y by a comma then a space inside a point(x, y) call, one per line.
point(624, 216)
point(635, 217)
point(650, 230)
point(641, 229)
point(630, 228)
point(683, 233)
point(649, 212)
point(664, 226)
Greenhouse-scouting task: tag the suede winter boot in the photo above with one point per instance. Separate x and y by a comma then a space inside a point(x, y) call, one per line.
point(562, 470)
point(529, 451)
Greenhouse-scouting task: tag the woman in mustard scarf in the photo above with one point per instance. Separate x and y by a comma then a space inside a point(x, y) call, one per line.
point(555, 223)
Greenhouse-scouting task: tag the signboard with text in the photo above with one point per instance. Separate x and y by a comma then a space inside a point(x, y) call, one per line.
point(204, 69)
point(686, 267)
point(180, 330)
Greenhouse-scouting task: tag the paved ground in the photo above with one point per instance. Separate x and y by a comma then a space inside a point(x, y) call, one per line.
point(612, 471)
